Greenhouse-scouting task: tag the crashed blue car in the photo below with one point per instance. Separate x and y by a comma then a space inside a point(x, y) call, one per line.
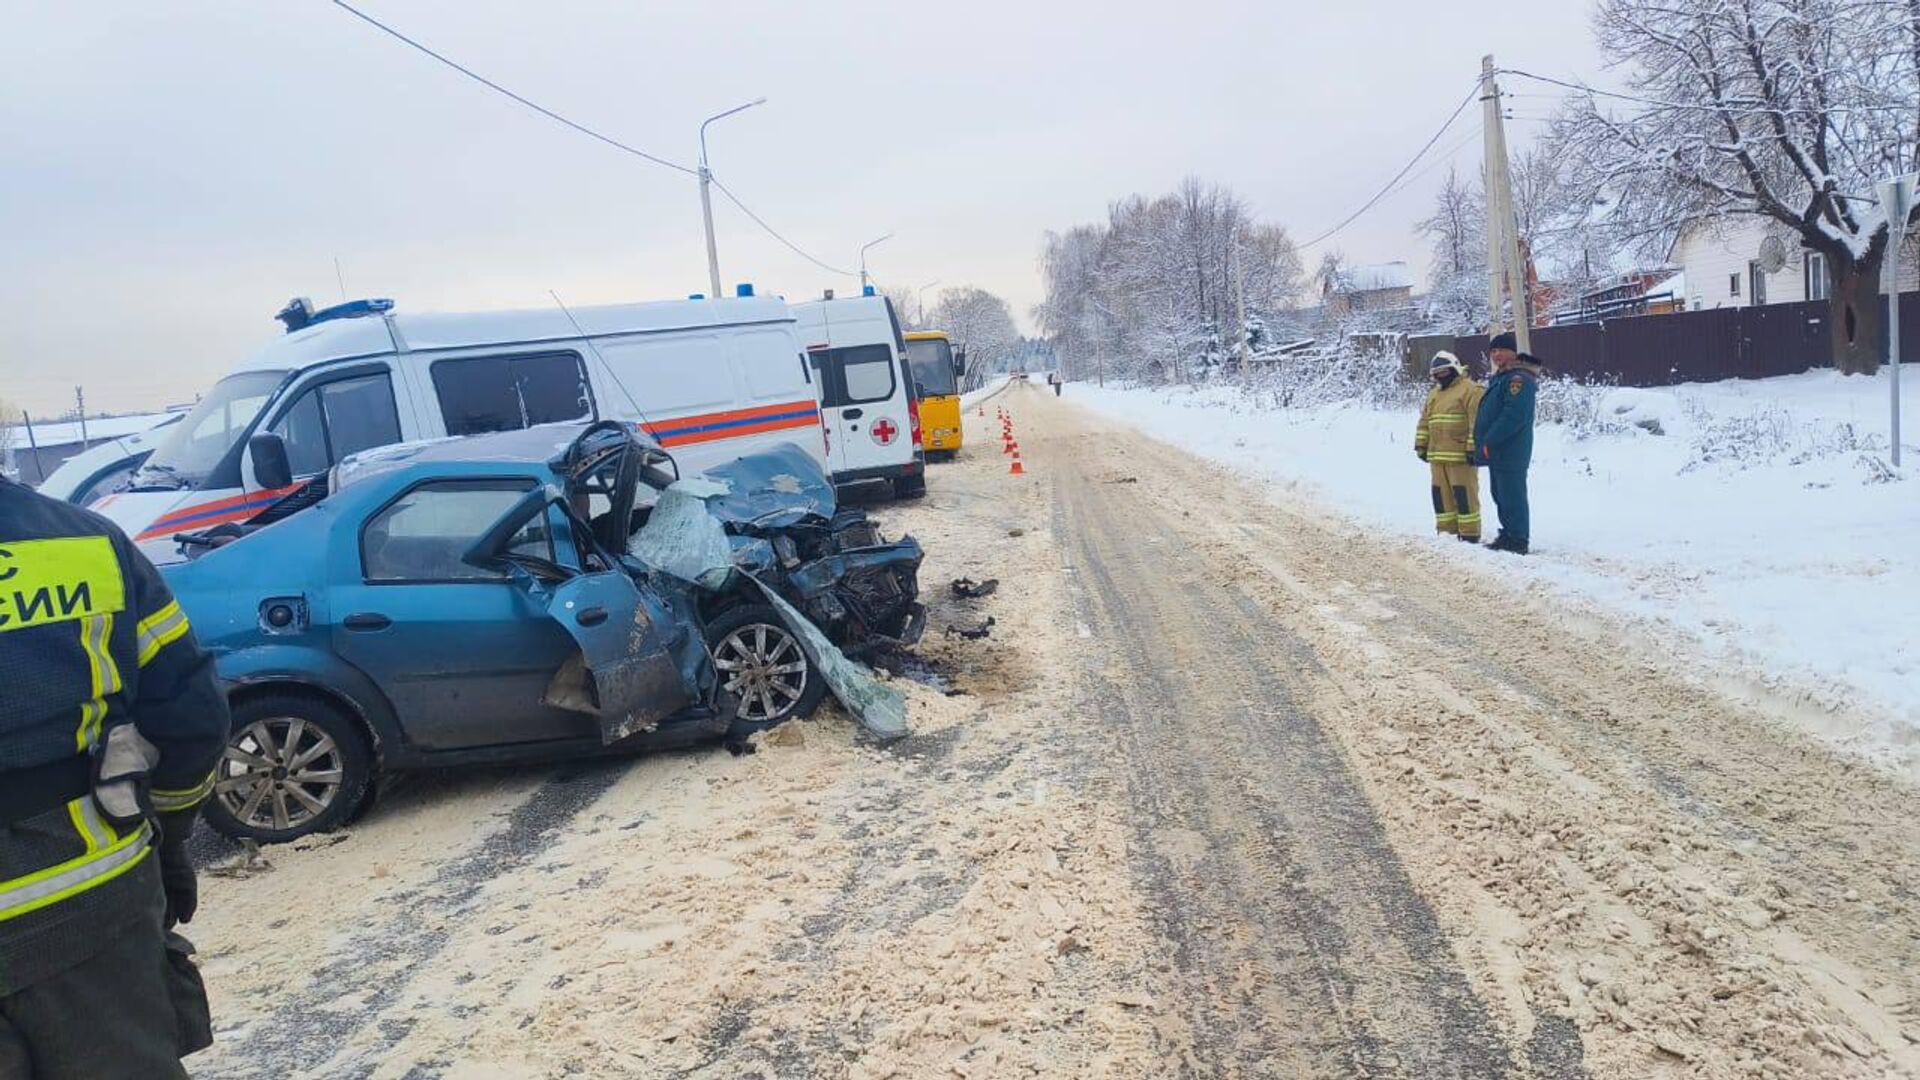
point(511, 597)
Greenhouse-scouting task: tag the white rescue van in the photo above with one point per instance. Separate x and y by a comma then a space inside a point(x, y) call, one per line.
point(867, 399)
point(708, 379)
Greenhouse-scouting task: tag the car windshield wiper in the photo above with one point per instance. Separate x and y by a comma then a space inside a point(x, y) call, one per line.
point(158, 478)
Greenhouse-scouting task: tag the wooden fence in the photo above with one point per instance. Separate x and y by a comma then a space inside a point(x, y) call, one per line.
point(1691, 346)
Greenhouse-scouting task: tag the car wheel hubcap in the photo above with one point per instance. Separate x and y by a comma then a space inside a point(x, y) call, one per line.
point(764, 668)
point(279, 774)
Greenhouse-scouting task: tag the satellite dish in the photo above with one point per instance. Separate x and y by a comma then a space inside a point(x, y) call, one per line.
point(1773, 255)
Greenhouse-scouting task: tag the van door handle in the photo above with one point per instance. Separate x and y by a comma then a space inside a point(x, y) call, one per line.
point(852, 414)
point(366, 620)
point(592, 616)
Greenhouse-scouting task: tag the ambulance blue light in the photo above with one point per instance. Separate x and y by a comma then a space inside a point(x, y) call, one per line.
point(300, 314)
point(696, 296)
point(745, 288)
point(866, 290)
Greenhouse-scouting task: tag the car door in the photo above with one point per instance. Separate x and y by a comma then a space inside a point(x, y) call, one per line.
point(465, 654)
point(623, 674)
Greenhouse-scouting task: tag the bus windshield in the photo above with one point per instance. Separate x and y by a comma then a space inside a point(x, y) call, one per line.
point(932, 364)
point(198, 442)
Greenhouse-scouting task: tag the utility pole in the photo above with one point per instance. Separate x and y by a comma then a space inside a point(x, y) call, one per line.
point(1506, 265)
point(1239, 307)
point(706, 197)
point(80, 410)
point(1896, 198)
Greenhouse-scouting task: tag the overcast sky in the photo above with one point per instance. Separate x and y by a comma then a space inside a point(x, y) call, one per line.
point(174, 172)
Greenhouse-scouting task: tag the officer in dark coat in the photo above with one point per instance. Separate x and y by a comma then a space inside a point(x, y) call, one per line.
point(111, 723)
point(1503, 438)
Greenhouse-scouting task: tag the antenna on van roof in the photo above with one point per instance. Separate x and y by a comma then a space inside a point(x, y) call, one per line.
point(614, 375)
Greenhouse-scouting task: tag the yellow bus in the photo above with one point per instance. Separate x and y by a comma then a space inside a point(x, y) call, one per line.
point(937, 367)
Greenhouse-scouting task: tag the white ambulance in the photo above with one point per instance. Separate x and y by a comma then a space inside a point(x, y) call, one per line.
point(867, 400)
point(708, 379)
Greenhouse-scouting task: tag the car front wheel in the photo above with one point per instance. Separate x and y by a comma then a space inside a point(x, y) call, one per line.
point(293, 765)
point(763, 666)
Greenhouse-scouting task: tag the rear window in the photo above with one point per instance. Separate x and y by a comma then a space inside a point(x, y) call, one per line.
point(507, 393)
point(866, 373)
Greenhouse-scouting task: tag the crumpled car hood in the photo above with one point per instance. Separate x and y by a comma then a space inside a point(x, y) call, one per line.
point(772, 489)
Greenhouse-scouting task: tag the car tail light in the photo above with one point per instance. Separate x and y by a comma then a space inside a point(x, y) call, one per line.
point(913, 419)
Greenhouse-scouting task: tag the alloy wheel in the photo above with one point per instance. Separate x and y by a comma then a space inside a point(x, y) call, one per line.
point(279, 773)
point(764, 668)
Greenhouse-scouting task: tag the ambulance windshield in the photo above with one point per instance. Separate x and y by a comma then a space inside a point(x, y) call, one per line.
point(932, 363)
point(195, 445)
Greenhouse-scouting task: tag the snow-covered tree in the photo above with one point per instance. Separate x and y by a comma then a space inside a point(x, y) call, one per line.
point(1457, 281)
point(1150, 292)
point(982, 323)
point(1790, 110)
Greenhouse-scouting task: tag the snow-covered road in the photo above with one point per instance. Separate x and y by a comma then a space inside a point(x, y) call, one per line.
point(1234, 788)
point(1756, 529)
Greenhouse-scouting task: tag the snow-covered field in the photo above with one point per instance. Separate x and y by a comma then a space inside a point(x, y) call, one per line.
point(1760, 523)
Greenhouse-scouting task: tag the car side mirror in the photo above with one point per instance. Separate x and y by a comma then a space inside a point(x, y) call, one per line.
point(271, 469)
point(959, 361)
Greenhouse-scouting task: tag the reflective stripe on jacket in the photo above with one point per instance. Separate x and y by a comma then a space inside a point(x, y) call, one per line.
point(90, 640)
point(1445, 431)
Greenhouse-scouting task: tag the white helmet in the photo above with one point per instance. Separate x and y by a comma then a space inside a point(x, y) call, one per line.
point(1445, 359)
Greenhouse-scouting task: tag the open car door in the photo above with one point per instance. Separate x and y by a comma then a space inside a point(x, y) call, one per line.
point(624, 674)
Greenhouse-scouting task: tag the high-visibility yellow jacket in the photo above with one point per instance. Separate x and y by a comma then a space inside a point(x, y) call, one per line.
point(92, 647)
point(1445, 434)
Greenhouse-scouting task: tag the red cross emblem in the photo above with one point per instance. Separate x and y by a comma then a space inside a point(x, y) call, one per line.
point(884, 431)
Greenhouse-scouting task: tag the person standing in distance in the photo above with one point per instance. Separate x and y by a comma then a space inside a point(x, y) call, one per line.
point(1503, 438)
point(110, 727)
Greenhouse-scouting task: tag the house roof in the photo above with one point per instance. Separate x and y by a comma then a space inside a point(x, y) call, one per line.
point(1354, 279)
point(62, 432)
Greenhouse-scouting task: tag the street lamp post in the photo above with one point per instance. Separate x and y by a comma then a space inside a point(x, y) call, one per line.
point(863, 259)
point(920, 297)
point(706, 198)
point(1896, 198)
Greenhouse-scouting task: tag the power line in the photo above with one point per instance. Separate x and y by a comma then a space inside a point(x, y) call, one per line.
point(1385, 190)
point(490, 84)
point(771, 231)
point(1753, 105)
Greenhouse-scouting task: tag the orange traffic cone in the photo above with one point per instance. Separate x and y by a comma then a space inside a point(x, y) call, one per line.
point(1015, 469)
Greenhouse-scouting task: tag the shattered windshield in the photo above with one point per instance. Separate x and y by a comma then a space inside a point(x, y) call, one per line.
point(932, 364)
point(195, 445)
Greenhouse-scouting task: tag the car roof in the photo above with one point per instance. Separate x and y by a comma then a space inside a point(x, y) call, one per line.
point(926, 335)
point(532, 447)
point(401, 330)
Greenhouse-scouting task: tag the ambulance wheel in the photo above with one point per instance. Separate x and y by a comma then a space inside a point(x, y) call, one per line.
point(909, 487)
point(293, 765)
point(763, 667)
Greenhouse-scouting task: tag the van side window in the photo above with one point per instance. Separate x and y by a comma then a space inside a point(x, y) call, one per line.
point(360, 414)
point(866, 372)
point(305, 434)
point(329, 421)
point(507, 393)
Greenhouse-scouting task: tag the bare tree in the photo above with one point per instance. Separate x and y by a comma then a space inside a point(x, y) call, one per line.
point(1784, 109)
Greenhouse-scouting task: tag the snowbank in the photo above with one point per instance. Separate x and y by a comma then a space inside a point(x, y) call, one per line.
point(1760, 521)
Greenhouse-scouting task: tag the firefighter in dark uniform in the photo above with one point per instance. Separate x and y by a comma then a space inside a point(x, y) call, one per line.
point(1503, 438)
point(110, 726)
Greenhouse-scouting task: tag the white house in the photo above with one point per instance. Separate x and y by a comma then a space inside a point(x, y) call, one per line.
point(1721, 262)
